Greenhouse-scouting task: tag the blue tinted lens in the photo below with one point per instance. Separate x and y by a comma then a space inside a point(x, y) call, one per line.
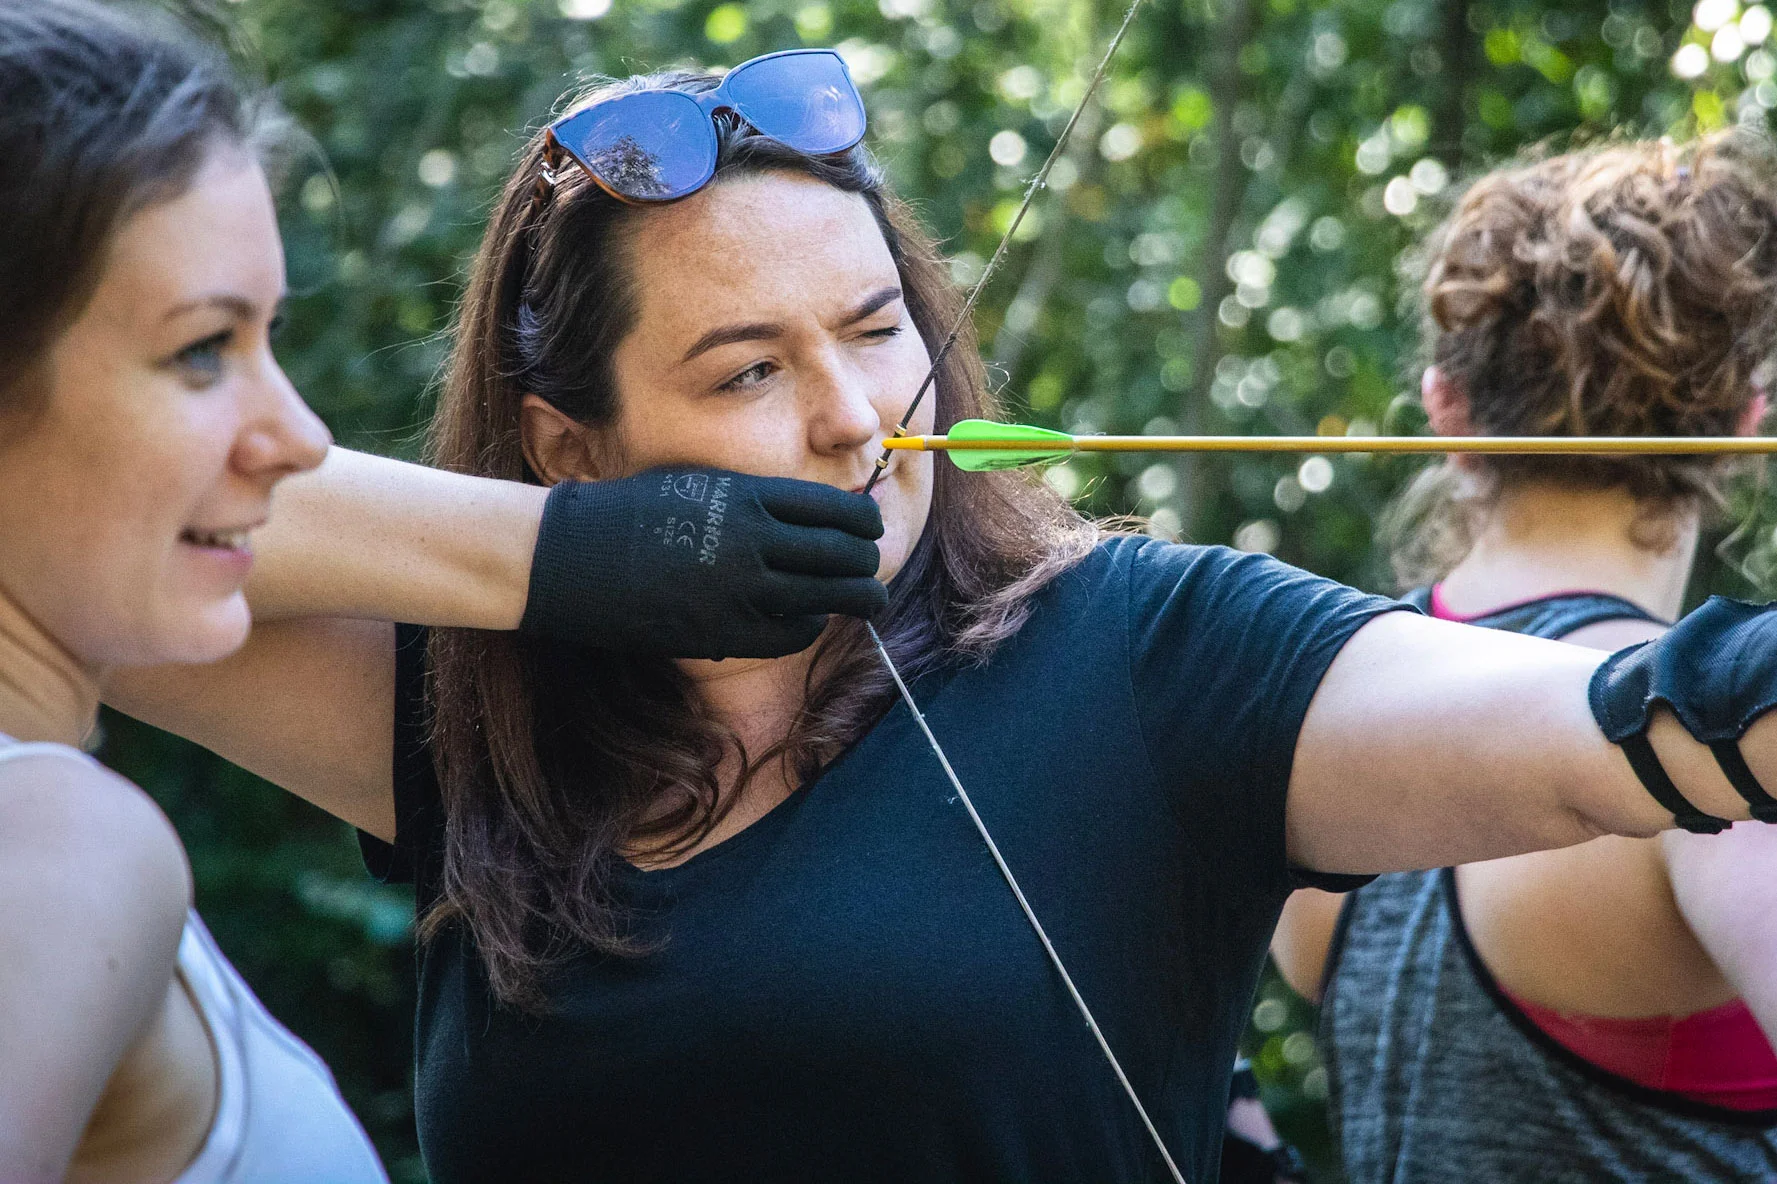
point(649, 146)
point(805, 100)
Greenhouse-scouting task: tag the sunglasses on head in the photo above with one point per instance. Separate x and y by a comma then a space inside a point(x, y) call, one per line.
point(660, 145)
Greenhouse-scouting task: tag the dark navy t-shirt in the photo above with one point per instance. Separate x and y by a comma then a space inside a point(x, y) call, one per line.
point(846, 990)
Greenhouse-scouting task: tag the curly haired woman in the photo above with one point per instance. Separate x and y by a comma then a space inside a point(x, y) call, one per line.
point(1592, 1013)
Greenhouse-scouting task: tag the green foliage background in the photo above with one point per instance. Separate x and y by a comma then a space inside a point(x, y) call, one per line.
point(1223, 248)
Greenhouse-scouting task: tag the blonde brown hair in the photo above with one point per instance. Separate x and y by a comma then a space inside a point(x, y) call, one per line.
point(1628, 289)
point(103, 113)
point(554, 761)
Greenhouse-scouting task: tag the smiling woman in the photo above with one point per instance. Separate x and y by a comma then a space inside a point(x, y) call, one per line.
point(165, 325)
point(143, 426)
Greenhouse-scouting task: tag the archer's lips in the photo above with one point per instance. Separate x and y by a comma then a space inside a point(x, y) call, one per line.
point(879, 488)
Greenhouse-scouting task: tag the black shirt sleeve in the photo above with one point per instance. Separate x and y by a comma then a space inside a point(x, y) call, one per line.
point(1226, 650)
point(419, 817)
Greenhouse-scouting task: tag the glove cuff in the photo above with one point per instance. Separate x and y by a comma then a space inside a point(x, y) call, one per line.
point(582, 542)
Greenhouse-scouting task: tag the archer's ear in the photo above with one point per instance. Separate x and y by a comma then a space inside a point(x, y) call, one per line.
point(1446, 404)
point(557, 447)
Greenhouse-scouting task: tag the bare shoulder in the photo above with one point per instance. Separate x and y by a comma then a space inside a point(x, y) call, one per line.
point(77, 839)
point(1743, 857)
point(94, 889)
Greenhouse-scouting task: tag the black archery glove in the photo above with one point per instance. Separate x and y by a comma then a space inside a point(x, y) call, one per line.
point(1717, 670)
point(701, 563)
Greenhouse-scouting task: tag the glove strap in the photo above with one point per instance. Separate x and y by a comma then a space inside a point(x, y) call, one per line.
point(1733, 766)
point(1653, 776)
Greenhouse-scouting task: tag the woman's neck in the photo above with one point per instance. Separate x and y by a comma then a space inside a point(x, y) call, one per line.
point(45, 692)
point(1541, 539)
point(757, 697)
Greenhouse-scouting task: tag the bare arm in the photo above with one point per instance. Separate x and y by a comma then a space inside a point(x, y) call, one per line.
point(1304, 938)
point(95, 889)
point(384, 540)
point(1726, 887)
point(1304, 934)
point(307, 703)
point(1430, 744)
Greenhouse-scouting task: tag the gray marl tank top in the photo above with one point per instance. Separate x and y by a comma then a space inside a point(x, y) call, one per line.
point(1435, 1076)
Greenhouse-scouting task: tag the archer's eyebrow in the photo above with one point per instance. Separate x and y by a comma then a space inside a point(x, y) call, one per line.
point(236, 306)
point(765, 330)
point(871, 303)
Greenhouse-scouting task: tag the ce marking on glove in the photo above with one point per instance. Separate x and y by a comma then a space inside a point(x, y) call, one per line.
point(680, 532)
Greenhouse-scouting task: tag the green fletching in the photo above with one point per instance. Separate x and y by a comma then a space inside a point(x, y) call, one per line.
point(1046, 445)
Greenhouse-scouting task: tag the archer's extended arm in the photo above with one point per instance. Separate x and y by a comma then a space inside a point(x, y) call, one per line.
point(1430, 744)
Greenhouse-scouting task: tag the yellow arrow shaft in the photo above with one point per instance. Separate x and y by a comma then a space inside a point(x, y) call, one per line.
point(1519, 445)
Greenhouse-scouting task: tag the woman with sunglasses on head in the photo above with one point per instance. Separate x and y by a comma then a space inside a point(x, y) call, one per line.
point(143, 426)
point(1592, 1013)
point(695, 920)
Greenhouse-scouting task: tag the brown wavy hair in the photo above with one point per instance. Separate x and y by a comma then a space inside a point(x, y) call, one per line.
point(103, 113)
point(1628, 289)
point(554, 761)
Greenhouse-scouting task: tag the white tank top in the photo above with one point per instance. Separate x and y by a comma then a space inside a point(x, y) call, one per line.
point(279, 1117)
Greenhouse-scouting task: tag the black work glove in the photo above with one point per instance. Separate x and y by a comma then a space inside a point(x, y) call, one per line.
point(701, 563)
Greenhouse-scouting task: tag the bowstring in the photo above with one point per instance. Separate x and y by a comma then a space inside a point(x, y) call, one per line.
point(1037, 183)
point(993, 849)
